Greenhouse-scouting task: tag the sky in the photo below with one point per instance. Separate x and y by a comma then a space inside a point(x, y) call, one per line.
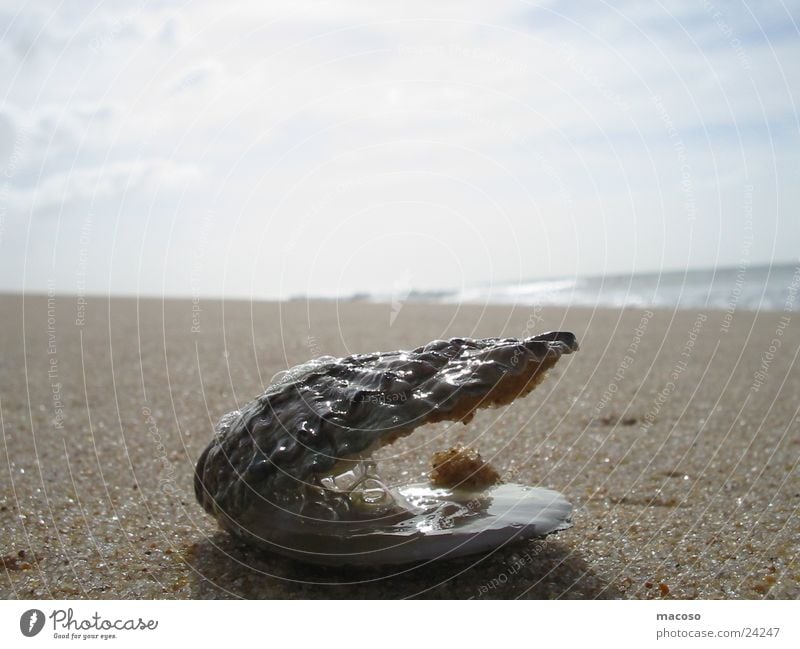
point(268, 150)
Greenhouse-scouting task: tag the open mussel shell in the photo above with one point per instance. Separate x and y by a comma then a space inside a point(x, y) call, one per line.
point(437, 523)
point(291, 471)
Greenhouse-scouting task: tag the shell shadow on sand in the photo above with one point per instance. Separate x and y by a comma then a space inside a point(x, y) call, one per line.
point(223, 567)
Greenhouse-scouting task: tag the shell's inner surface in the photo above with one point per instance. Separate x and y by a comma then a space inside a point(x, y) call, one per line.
point(291, 471)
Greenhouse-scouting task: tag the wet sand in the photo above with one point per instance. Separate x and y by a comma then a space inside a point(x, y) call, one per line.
point(675, 435)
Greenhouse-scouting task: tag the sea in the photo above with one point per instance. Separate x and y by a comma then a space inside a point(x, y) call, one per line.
point(753, 288)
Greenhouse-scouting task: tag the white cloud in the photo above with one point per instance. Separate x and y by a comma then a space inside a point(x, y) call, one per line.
point(197, 75)
point(60, 191)
point(26, 33)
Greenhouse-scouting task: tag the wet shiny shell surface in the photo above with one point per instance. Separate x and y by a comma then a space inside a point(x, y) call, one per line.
point(263, 457)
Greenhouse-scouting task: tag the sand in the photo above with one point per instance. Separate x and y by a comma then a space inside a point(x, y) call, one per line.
point(675, 435)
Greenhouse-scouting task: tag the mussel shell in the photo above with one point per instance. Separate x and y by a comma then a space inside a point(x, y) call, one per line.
point(263, 475)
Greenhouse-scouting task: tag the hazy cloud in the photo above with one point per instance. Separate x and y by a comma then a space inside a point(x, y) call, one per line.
point(63, 190)
point(462, 127)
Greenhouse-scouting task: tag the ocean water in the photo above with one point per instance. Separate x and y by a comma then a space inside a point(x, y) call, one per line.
point(755, 288)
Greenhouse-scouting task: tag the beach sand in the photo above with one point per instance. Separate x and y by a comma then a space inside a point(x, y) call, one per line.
point(675, 435)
